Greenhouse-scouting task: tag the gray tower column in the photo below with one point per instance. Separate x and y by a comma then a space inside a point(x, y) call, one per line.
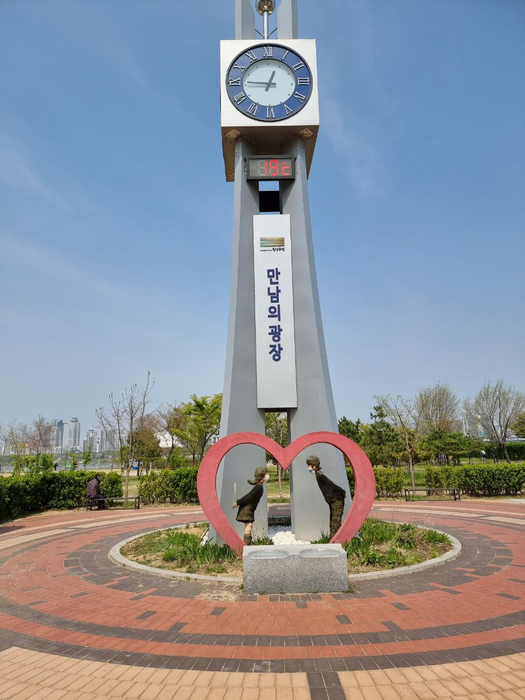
point(316, 410)
point(239, 405)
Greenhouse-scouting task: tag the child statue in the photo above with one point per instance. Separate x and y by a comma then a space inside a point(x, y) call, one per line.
point(248, 504)
point(333, 494)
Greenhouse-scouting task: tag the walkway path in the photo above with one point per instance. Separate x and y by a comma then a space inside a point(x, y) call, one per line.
point(75, 626)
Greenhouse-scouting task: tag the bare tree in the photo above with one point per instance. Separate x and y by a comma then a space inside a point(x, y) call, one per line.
point(19, 439)
point(496, 407)
point(124, 418)
point(405, 415)
point(438, 408)
point(41, 435)
point(7, 433)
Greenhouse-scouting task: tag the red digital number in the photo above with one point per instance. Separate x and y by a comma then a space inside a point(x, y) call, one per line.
point(273, 166)
point(287, 169)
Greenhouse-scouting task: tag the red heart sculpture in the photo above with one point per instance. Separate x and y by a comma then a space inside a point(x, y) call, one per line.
point(365, 483)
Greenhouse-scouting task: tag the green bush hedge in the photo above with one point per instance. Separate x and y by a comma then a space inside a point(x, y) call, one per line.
point(31, 493)
point(484, 480)
point(166, 486)
point(389, 481)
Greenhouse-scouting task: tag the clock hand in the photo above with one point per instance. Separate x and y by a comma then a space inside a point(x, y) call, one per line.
point(257, 82)
point(270, 81)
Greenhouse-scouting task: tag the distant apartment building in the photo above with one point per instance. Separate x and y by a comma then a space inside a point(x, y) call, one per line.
point(57, 436)
point(108, 441)
point(90, 440)
point(73, 434)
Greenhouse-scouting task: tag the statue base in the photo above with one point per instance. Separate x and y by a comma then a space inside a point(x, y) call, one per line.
point(314, 568)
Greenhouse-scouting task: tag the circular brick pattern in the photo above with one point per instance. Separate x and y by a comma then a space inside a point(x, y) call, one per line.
point(61, 594)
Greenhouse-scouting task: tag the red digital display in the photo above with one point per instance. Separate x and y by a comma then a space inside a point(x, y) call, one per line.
point(271, 168)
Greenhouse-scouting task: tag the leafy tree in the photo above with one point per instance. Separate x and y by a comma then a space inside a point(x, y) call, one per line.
point(147, 444)
point(86, 456)
point(351, 429)
point(177, 459)
point(198, 421)
point(276, 428)
point(380, 440)
point(443, 447)
point(496, 407)
point(33, 464)
point(474, 446)
point(519, 426)
point(168, 422)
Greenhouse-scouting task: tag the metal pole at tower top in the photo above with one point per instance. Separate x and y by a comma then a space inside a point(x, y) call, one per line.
point(287, 18)
point(265, 8)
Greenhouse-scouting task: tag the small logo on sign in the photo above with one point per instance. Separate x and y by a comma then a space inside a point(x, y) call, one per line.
point(272, 244)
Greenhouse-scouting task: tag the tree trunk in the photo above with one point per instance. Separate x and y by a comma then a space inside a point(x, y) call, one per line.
point(506, 452)
point(126, 491)
point(411, 468)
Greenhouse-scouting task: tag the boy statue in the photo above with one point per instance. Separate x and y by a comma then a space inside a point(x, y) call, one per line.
point(248, 503)
point(333, 494)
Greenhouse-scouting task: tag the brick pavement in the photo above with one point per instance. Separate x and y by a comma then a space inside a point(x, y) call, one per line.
point(75, 626)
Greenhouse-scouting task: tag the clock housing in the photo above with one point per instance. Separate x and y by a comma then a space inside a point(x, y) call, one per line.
point(269, 82)
point(269, 126)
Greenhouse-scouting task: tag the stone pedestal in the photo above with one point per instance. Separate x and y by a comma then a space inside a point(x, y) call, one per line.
point(315, 568)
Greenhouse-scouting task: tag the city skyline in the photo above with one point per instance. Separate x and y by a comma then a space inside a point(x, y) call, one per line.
point(111, 265)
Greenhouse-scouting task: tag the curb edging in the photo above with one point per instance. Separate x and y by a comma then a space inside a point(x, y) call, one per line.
point(115, 556)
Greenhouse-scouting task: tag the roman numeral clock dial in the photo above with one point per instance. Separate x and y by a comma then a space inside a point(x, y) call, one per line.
point(275, 83)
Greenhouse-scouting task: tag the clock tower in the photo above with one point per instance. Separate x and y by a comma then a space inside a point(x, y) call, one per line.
point(276, 357)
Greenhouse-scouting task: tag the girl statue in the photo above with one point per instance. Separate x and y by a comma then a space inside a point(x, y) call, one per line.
point(248, 503)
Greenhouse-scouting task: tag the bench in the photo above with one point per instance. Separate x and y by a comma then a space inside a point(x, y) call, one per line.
point(91, 501)
point(456, 493)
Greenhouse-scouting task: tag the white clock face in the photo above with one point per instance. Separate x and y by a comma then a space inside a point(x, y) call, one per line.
point(269, 82)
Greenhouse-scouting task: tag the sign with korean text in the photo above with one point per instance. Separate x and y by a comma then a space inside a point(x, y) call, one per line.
point(274, 317)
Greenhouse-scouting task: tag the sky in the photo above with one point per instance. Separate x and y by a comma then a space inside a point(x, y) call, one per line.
point(116, 219)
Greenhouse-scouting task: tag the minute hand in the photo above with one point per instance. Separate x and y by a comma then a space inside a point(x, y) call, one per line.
point(257, 82)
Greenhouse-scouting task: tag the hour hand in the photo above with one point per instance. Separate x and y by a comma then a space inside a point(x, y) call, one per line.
point(270, 81)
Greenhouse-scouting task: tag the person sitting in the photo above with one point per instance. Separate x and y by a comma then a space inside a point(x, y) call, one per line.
point(248, 504)
point(93, 492)
point(333, 494)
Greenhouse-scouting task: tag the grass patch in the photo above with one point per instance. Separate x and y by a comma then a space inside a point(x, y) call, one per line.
point(381, 545)
point(384, 545)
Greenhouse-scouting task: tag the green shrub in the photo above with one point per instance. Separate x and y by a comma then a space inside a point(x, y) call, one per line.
point(111, 484)
point(31, 493)
point(389, 481)
point(166, 486)
point(484, 480)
